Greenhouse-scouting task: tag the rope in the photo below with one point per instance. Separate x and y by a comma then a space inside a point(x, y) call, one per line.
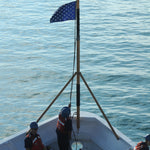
point(73, 61)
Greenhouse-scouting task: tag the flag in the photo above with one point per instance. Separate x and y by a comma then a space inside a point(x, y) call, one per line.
point(64, 13)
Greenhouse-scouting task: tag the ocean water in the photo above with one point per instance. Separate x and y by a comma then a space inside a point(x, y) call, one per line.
point(36, 60)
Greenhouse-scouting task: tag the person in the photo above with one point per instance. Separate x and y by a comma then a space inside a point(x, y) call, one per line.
point(32, 140)
point(143, 145)
point(64, 129)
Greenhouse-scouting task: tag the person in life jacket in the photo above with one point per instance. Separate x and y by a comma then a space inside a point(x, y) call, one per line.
point(143, 145)
point(64, 129)
point(33, 140)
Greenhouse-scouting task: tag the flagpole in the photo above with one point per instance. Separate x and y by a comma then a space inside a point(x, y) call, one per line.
point(78, 63)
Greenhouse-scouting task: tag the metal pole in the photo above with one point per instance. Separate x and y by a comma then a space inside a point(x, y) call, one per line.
point(78, 63)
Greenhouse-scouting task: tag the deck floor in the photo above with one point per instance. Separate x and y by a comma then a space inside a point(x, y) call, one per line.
point(87, 145)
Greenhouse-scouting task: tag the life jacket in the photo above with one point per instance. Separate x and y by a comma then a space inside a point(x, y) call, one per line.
point(36, 142)
point(61, 123)
point(141, 146)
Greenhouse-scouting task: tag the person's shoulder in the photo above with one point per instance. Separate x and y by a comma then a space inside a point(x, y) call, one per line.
point(141, 144)
point(27, 138)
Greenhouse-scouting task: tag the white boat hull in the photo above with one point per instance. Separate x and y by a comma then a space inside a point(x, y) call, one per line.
point(94, 134)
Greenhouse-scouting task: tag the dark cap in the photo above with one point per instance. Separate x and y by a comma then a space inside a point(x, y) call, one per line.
point(34, 125)
point(147, 138)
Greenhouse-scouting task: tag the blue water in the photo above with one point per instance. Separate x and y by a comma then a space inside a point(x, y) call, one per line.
point(36, 60)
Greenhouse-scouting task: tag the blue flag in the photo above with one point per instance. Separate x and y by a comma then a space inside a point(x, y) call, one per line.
point(64, 13)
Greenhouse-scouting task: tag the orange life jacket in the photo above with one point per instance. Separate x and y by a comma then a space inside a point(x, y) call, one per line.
point(36, 142)
point(141, 146)
point(61, 123)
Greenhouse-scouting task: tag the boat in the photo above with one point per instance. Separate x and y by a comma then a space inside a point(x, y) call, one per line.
point(90, 131)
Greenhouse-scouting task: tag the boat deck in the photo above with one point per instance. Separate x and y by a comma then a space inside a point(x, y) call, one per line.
point(94, 134)
point(83, 145)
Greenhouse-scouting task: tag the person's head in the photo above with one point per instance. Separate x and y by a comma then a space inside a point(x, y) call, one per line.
point(147, 139)
point(65, 112)
point(34, 127)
